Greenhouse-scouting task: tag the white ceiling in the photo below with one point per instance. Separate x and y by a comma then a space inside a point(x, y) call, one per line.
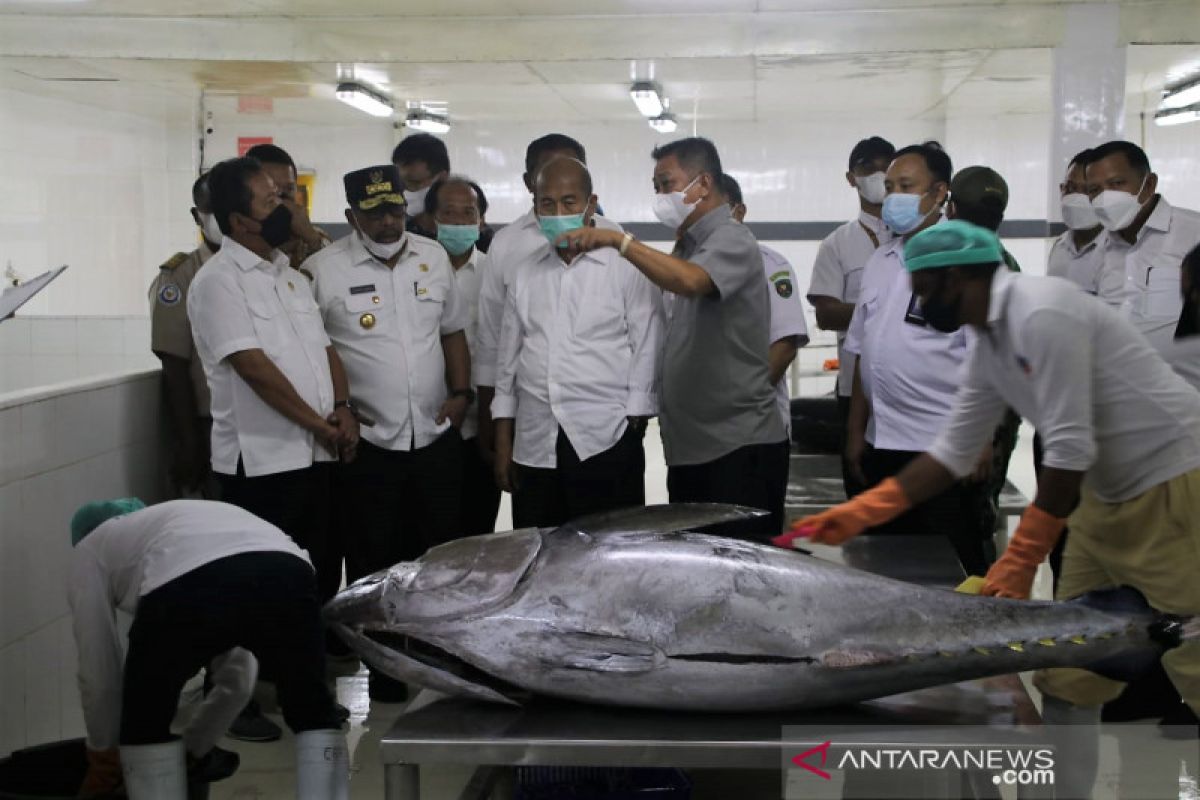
point(572, 60)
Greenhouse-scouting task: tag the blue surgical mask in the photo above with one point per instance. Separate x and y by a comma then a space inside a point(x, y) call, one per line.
point(553, 227)
point(902, 212)
point(457, 239)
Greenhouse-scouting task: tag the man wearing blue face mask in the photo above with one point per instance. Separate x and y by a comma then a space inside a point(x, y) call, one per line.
point(907, 370)
point(578, 366)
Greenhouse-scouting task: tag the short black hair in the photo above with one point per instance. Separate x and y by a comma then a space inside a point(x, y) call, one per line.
point(423, 147)
point(936, 159)
point(1135, 155)
point(1191, 265)
point(200, 192)
point(229, 188)
point(431, 199)
point(272, 154)
point(730, 188)
point(694, 153)
point(550, 143)
point(871, 148)
point(1081, 159)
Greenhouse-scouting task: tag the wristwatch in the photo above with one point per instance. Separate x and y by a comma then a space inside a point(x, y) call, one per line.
point(343, 404)
point(467, 393)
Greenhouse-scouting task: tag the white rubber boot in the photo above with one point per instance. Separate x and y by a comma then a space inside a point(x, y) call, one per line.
point(154, 771)
point(322, 766)
point(1075, 733)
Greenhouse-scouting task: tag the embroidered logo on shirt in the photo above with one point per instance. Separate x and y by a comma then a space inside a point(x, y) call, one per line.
point(1024, 364)
point(424, 268)
point(782, 282)
point(366, 288)
point(169, 295)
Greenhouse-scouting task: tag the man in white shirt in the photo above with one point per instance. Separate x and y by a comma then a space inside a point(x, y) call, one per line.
point(1146, 240)
point(203, 581)
point(838, 270)
point(280, 400)
point(789, 330)
point(458, 205)
point(1122, 434)
point(392, 309)
point(907, 370)
point(1078, 253)
point(577, 375)
point(512, 246)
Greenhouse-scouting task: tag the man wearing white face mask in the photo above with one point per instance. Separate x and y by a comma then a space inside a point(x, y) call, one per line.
point(837, 272)
point(1147, 238)
point(190, 419)
point(393, 311)
point(1078, 254)
point(423, 160)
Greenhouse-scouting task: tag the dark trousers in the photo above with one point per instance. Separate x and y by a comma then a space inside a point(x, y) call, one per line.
point(264, 602)
point(755, 475)
point(480, 494)
point(957, 513)
point(298, 502)
point(399, 503)
point(850, 484)
point(607, 481)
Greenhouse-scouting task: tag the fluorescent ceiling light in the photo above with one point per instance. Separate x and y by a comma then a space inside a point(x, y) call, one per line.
point(427, 123)
point(1181, 96)
point(647, 96)
point(1178, 117)
point(664, 122)
point(362, 98)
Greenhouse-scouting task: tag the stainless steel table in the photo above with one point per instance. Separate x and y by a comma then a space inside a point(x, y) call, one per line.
point(556, 733)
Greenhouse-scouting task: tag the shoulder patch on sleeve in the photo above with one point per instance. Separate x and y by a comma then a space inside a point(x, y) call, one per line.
point(174, 261)
point(782, 281)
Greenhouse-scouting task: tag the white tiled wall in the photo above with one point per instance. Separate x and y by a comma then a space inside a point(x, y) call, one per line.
point(42, 351)
point(87, 441)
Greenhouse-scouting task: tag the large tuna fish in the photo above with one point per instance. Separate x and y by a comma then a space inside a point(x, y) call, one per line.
point(629, 608)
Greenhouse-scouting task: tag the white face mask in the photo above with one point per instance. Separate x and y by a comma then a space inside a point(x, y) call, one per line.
point(212, 231)
point(871, 187)
point(416, 201)
point(1117, 209)
point(1077, 212)
point(670, 207)
point(381, 250)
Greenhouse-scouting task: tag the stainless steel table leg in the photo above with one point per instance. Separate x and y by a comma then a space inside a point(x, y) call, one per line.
point(401, 782)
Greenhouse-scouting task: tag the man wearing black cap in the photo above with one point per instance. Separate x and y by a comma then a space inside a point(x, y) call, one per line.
point(837, 272)
point(392, 309)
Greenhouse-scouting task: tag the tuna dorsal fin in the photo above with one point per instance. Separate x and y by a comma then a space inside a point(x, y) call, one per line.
point(667, 518)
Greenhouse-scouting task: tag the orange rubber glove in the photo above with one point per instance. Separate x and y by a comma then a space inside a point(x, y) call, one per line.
point(1012, 574)
point(873, 507)
point(103, 773)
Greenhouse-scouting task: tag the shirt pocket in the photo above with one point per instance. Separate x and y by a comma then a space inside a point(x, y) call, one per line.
point(305, 315)
point(1162, 298)
point(366, 314)
point(430, 305)
point(268, 319)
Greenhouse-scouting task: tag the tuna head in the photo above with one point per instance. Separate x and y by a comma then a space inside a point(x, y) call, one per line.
point(387, 616)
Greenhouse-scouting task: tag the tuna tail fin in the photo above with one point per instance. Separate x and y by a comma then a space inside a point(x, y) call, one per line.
point(1165, 631)
point(667, 518)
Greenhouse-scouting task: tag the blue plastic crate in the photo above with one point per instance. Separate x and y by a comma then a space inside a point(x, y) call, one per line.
point(601, 783)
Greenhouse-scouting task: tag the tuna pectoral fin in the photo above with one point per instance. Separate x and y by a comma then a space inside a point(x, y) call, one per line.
point(402, 667)
point(598, 652)
point(661, 518)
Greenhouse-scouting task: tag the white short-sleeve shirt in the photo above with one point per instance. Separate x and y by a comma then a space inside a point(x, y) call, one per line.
point(838, 271)
point(787, 318)
point(469, 278)
point(240, 302)
point(387, 325)
point(1082, 267)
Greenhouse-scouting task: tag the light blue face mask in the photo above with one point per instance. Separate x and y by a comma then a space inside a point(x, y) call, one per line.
point(457, 239)
point(553, 227)
point(902, 212)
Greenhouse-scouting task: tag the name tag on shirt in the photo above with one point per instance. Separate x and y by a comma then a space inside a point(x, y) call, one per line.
point(366, 288)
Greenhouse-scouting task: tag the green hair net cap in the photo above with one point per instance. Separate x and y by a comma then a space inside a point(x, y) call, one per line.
point(952, 244)
point(91, 515)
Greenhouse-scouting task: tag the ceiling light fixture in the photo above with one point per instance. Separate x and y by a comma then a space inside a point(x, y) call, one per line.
point(362, 98)
point(664, 122)
point(647, 96)
point(1178, 116)
point(426, 123)
point(1182, 96)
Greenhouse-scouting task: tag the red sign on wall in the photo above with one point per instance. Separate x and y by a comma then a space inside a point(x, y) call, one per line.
point(246, 142)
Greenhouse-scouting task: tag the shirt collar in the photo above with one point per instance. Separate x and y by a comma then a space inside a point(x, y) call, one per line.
point(1068, 240)
point(702, 228)
point(247, 259)
point(1160, 217)
point(1002, 281)
point(871, 221)
point(362, 255)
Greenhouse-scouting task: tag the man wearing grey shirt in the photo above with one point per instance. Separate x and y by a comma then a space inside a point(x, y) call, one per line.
point(724, 440)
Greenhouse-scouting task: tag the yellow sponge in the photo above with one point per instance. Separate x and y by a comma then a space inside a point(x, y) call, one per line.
point(972, 585)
